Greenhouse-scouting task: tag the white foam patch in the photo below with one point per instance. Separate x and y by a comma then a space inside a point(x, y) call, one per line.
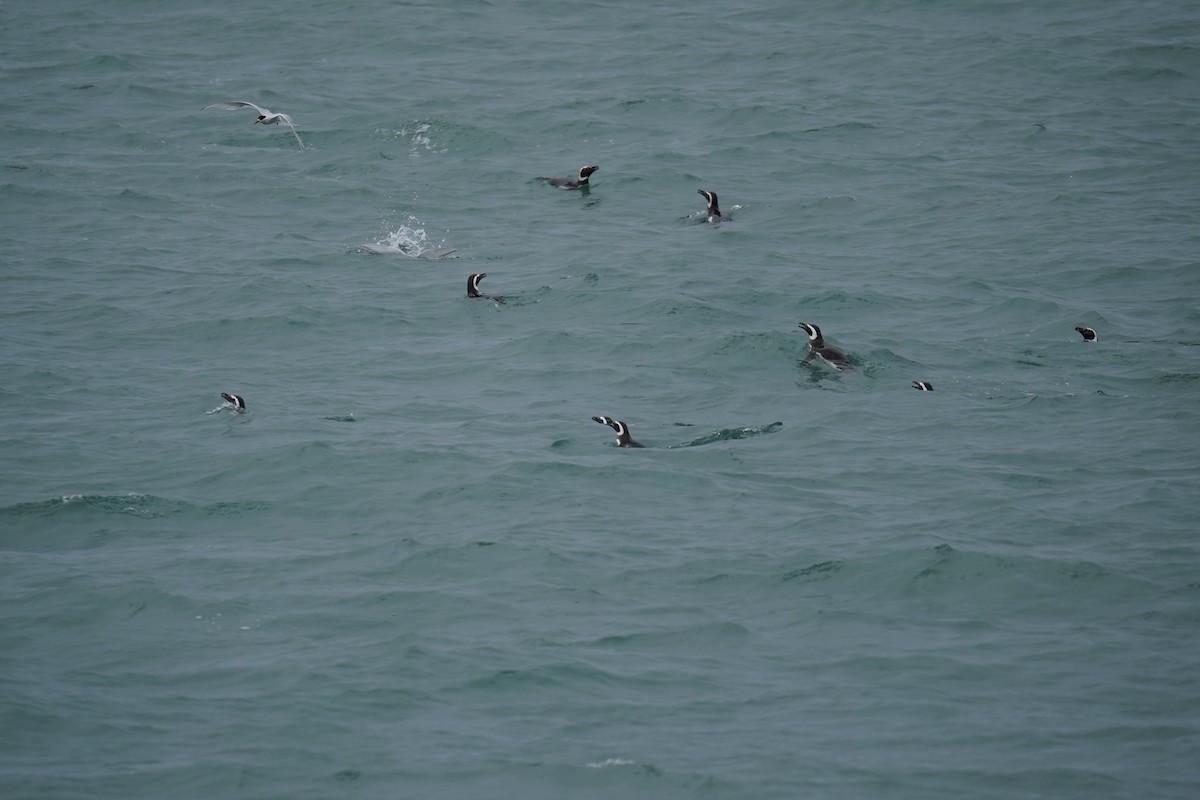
point(409, 239)
point(610, 762)
point(419, 135)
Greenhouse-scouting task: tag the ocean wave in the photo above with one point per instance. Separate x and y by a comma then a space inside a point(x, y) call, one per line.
point(730, 434)
point(143, 506)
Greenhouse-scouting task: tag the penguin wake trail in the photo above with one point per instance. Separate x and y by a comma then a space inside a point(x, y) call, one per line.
point(728, 434)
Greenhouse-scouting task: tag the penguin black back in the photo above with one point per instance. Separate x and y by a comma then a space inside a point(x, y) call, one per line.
point(585, 172)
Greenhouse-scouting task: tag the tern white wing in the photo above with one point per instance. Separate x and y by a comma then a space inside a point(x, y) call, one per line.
point(234, 105)
point(288, 120)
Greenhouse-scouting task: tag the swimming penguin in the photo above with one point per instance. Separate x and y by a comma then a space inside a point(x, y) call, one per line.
point(623, 437)
point(713, 213)
point(236, 403)
point(473, 288)
point(571, 183)
point(817, 347)
point(923, 386)
point(1088, 334)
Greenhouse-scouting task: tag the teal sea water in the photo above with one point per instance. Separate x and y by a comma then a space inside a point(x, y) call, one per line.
point(417, 568)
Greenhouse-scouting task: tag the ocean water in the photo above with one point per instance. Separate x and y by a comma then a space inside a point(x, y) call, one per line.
point(417, 568)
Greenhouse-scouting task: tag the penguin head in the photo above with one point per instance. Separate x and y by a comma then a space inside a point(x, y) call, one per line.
point(922, 386)
point(1088, 334)
point(618, 426)
point(814, 333)
point(234, 400)
point(711, 197)
point(586, 171)
point(473, 283)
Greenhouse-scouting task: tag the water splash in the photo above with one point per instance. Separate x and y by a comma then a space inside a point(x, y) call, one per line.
point(419, 134)
point(226, 406)
point(410, 240)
